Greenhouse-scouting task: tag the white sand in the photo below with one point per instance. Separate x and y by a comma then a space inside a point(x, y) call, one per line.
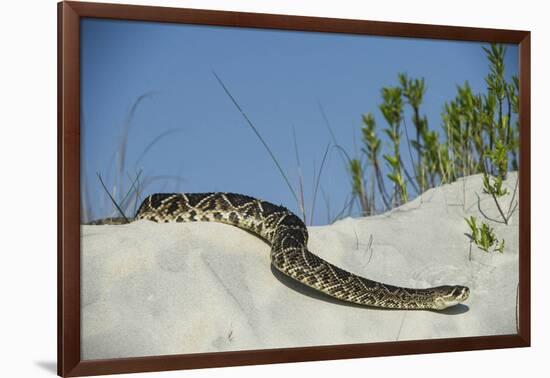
point(155, 289)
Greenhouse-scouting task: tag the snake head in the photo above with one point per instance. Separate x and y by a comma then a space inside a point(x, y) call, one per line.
point(447, 296)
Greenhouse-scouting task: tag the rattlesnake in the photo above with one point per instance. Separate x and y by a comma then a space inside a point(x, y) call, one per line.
point(288, 236)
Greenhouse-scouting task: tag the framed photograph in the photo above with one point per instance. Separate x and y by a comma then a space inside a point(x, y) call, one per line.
point(240, 188)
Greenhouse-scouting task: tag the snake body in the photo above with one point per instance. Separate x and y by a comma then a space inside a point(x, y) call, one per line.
point(288, 237)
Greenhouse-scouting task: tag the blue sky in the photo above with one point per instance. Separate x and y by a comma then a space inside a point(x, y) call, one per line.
point(278, 78)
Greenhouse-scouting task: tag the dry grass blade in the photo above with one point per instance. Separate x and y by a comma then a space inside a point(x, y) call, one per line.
point(228, 93)
point(326, 198)
point(112, 199)
point(132, 192)
point(348, 202)
point(137, 195)
point(318, 179)
point(329, 127)
point(369, 248)
point(300, 177)
point(125, 132)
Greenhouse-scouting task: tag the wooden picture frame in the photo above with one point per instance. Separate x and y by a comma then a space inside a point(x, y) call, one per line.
point(69, 358)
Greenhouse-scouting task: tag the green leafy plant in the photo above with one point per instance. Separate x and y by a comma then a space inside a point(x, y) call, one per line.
point(358, 186)
point(484, 236)
point(392, 110)
point(493, 186)
point(479, 134)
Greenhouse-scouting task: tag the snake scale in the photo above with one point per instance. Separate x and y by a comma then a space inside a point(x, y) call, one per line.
point(288, 236)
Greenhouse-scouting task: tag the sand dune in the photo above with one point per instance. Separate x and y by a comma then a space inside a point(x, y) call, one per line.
point(153, 289)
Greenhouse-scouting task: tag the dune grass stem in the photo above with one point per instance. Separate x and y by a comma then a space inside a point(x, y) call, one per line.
point(112, 199)
point(317, 181)
point(300, 177)
point(255, 130)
